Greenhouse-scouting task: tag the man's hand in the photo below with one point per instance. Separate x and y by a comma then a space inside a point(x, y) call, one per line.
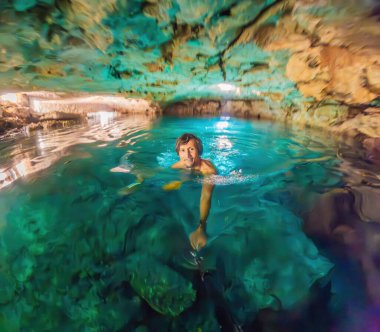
point(198, 238)
point(174, 185)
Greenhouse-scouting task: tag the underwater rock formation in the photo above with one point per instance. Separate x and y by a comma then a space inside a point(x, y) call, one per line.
point(75, 254)
point(165, 290)
point(8, 288)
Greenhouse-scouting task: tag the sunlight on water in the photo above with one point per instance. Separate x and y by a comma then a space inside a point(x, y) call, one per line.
point(94, 229)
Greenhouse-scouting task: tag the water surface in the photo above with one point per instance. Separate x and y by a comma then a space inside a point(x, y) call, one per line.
point(292, 231)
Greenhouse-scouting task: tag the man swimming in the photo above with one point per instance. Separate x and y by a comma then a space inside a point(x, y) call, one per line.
point(189, 149)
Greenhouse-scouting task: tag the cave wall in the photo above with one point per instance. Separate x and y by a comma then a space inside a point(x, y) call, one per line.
point(315, 62)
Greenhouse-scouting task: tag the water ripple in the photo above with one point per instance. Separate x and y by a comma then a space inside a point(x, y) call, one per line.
point(36, 151)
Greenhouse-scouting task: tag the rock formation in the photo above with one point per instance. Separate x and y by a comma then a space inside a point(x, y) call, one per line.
point(46, 110)
point(316, 62)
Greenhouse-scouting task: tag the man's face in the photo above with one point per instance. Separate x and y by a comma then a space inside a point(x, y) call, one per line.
point(188, 154)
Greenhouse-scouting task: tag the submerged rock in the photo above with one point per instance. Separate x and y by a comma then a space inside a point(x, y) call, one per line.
point(278, 264)
point(165, 290)
point(7, 288)
point(9, 319)
point(23, 266)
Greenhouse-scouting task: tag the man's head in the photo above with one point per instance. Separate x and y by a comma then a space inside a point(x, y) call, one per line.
point(189, 148)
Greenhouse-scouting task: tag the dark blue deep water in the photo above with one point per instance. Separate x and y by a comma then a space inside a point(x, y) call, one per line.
point(92, 239)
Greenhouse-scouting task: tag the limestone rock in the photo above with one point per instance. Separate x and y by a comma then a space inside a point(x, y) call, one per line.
point(164, 49)
point(287, 54)
point(305, 66)
point(372, 147)
point(327, 115)
point(313, 89)
point(364, 124)
point(60, 116)
point(36, 110)
point(86, 104)
point(293, 42)
point(332, 71)
point(373, 77)
point(237, 108)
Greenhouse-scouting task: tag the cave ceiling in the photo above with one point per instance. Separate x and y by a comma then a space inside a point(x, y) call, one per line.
point(177, 49)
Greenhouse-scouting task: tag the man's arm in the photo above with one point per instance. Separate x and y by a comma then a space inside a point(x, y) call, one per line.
point(207, 189)
point(205, 202)
point(198, 238)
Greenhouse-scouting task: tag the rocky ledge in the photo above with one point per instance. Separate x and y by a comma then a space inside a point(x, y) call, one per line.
point(44, 110)
point(359, 123)
point(341, 119)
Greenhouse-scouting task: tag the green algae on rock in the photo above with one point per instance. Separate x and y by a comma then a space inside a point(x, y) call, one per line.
point(7, 288)
point(165, 290)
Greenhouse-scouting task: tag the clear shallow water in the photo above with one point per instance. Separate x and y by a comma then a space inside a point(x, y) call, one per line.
point(292, 230)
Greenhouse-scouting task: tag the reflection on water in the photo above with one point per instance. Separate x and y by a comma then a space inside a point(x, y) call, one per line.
point(40, 149)
point(96, 243)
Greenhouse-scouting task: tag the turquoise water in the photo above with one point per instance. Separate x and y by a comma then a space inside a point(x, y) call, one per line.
point(84, 246)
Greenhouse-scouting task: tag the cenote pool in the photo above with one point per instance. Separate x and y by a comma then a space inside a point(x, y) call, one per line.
point(293, 243)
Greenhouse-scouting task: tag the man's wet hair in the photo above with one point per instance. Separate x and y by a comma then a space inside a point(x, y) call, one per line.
point(185, 138)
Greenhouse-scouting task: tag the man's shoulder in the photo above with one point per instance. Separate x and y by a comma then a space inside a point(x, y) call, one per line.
point(177, 165)
point(208, 167)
